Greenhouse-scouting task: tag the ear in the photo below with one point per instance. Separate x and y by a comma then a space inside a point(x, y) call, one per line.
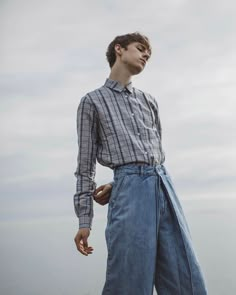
point(118, 49)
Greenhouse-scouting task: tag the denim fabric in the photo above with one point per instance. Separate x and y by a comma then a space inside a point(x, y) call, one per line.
point(148, 240)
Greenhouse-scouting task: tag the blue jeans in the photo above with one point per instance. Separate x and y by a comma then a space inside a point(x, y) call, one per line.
point(147, 236)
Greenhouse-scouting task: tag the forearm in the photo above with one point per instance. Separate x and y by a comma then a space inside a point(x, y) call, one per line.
point(83, 201)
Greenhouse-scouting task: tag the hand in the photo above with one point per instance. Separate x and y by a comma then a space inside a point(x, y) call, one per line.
point(102, 194)
point(81, 241)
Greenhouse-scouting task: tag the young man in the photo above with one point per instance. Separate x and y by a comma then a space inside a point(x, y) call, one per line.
point(148, 239)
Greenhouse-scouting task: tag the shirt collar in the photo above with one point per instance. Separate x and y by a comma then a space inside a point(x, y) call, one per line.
point(115, 85)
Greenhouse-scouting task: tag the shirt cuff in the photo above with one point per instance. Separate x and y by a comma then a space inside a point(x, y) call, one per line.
point(85, 222)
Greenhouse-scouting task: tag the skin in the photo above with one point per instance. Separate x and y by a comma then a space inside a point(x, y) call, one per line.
point(129, 62)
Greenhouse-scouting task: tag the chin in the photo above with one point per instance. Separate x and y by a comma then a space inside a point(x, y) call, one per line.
point(136, 70)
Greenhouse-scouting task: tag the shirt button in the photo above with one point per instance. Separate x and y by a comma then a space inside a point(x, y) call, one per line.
point(132, 114)
point(138, 133)
point(145, 153)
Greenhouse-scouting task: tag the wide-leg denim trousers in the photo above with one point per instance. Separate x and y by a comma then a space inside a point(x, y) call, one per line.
point(148, 239)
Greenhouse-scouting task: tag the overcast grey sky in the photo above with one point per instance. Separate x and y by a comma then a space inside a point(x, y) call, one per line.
point(53, 52)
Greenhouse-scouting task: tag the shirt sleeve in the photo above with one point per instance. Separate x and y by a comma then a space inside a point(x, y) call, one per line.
point(158, 125)
point(86, 162)
point(157, 119)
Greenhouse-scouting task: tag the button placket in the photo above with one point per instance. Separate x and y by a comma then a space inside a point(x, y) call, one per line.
point(126, 93)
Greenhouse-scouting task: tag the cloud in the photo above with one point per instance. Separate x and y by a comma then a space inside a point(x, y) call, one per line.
point(54, 53)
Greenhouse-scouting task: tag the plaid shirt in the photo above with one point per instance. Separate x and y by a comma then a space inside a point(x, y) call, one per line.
point(116, 125)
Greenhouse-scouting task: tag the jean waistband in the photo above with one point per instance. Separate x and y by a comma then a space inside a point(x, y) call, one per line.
point(141, 169)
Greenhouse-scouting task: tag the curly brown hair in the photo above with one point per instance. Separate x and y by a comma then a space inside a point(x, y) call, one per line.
point(124, 41)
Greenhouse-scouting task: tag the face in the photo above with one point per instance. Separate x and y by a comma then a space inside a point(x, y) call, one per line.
point(134, 58)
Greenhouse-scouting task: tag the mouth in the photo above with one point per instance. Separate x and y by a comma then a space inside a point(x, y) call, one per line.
point(144, 62)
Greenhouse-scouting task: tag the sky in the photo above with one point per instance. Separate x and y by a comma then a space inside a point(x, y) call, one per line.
point(53, 52)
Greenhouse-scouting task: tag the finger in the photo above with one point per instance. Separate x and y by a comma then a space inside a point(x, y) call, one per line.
point(103, 200)
point(104, 203)
point(89, 250)
point(102, 196)
point(99, 198)
point(80, 247)
point(85, 242)
point(100, 188)
point(104, 189)
point(99, 194)
point(106, 198)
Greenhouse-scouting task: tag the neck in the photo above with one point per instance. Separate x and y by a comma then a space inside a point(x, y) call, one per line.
point(120, 74)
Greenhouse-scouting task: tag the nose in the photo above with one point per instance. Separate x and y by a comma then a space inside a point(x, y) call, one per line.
point(146, 55)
